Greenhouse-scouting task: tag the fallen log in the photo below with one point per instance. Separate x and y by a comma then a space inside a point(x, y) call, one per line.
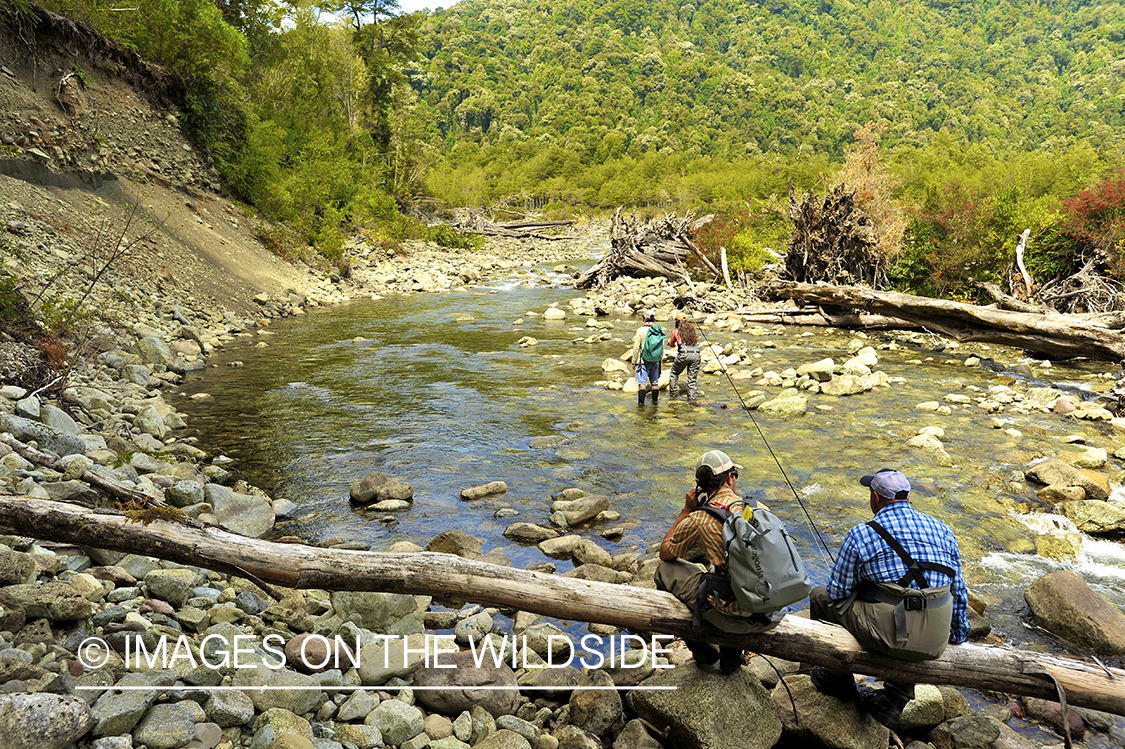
point(1064, 336)
point(116, 489)
point(819, 318)
point(640, 609)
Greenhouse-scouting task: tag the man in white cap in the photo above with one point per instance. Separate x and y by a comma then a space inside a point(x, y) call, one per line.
point(897, 587)
point(715, 477)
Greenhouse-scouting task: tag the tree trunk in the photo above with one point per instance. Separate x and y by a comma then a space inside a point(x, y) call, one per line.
point(1064, 336)
point(639, 609)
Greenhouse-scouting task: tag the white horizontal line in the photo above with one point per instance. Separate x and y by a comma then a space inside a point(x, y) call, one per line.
point(187, 688)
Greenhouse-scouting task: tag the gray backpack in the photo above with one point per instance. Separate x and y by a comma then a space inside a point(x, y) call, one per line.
point(765, 571)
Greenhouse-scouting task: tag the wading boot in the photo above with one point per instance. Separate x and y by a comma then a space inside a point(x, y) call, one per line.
point(730, 660)
point(704, 653)
point(884, 705)
point(833, 684)
point(655, 395)
point(640, 397)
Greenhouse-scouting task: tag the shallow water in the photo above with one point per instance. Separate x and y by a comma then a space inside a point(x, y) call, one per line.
point(440, 394)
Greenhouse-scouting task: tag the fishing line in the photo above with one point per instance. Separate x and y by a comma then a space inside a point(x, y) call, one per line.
point(766, 442)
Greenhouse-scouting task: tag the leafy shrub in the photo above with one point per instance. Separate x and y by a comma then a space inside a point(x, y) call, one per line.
point(1096, 221)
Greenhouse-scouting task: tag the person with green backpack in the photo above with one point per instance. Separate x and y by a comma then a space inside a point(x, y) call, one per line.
point(648, 350)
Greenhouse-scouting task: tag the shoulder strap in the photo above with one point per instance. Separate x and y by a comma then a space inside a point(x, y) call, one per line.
point(913, 568)
point(721, 513)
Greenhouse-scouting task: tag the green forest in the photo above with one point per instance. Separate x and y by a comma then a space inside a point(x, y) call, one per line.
point(958, 124)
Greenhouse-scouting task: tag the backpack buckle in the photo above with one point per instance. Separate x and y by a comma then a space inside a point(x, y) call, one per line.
point(914, 603)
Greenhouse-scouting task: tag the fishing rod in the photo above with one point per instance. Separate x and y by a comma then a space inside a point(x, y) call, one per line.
point(682, 306)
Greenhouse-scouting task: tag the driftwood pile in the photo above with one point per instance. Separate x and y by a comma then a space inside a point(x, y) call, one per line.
point(659, 248)
point(834, 241)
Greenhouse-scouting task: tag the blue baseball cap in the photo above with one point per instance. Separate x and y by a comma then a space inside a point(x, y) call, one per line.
point(888, 484)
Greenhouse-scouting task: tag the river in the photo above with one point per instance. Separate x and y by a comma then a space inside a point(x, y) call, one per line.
point(435, 389)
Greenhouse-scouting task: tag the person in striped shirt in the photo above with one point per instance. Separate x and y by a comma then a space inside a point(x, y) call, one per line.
point(897, 587)
point(715, 477)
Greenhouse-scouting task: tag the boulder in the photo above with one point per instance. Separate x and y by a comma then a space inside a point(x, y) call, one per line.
point(1063, 603)
point(807, 713)
point(931, 447)
point(381, 661)
point(1054, 472)
point(303, 697)
point(54, 601)
point(49, 438)
point(370, 610)
point(570, 513)
point(821, 371)
point(529, 533)
point(972, 730)
point(598, 711)
point(165, 727)
point(451, 691)
point(849, 383)
point(1095, 516)
point(789, 404)
point(456, 542)
point(378, 486)
point(397, 721)
point(117, 711)
point(708, 710)
point(42, 721)
point(246, 514)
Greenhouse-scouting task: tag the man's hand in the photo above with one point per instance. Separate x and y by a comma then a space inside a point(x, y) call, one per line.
point(690, 503)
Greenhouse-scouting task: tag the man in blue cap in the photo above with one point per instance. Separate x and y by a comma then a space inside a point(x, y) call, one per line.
point(897, 587)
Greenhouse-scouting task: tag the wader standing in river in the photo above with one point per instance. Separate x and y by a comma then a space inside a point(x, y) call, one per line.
point(647, 368)
point(897, 587)
point(686, 341)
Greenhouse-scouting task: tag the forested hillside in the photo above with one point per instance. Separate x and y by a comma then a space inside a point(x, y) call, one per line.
point(730, 77)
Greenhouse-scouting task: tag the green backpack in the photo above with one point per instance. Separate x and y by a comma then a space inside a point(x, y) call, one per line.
point(653, 347)
point(765, 571)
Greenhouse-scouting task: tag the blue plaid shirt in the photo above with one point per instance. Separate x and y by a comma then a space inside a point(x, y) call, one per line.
point(866, 556)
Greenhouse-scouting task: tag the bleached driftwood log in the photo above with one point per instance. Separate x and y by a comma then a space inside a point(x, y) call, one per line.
point(1097, 336)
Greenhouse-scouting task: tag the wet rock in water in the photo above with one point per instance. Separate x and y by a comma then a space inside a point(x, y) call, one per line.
point(377, 486)
point(820, 371)
point(451, 691)
point(709, 710)
point(1051, 713)
point(931, 447)
point(845, 384)
point(789, 404)
point(1054, 472)
point(529, 533)
point(456, 542)
point(1095, 516)
point(569, 513)
point(1061, 547)
point(42, 721)
point(1063, 603)
point(561, 547)
point(484, 490)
